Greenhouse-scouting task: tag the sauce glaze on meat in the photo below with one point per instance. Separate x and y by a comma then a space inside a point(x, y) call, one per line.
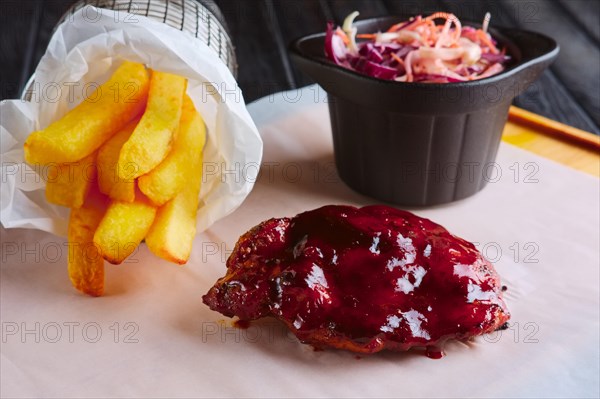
point(361, 279)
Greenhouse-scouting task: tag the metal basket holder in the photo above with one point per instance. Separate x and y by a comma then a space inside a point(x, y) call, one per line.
point(200, 18)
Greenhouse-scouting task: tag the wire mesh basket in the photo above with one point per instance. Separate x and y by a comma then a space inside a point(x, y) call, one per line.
point(201, 18)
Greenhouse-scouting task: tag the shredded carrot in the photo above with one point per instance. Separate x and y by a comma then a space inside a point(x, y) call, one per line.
point(417, 23)
point(397, 26)
point(367, 36)
point(343, 36)
point(438, 15)
point(398, 59)
point(408, 66)
point(481, 35)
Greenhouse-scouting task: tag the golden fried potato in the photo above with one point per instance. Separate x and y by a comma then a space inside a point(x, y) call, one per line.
point(152, 138)
point(108, 156)
point(83, 129)
point(69, 183)
point(123, 228)
point(85, 262)
point(166, 180)
point(173, 231)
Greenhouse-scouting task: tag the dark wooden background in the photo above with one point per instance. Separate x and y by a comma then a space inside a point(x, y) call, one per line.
point(569, 91)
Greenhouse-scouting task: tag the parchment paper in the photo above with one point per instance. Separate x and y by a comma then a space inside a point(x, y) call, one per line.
point(82, 54)
point(175, 346)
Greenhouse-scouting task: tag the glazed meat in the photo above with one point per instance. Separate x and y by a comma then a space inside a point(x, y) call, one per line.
point(361, 279)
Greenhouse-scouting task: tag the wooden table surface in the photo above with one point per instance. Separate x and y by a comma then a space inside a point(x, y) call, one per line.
point(568, 92)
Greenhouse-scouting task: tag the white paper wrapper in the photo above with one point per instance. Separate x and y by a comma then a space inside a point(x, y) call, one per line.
point(83, 53)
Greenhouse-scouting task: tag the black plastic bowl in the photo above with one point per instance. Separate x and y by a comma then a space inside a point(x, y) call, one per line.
point(421, 143)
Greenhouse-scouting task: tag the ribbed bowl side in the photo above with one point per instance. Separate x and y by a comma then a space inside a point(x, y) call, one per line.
point(415, 160)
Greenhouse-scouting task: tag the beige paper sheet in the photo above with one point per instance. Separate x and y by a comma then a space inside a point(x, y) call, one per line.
point(152, 336)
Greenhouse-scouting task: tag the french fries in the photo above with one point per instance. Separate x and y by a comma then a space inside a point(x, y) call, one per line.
point(83, 129)
point(123, 228)
point(174, 228)
point(108, 155)
point(85, 262)
point(129, 165)
point(166, 180)
point(69, 183)
point(151, 140)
